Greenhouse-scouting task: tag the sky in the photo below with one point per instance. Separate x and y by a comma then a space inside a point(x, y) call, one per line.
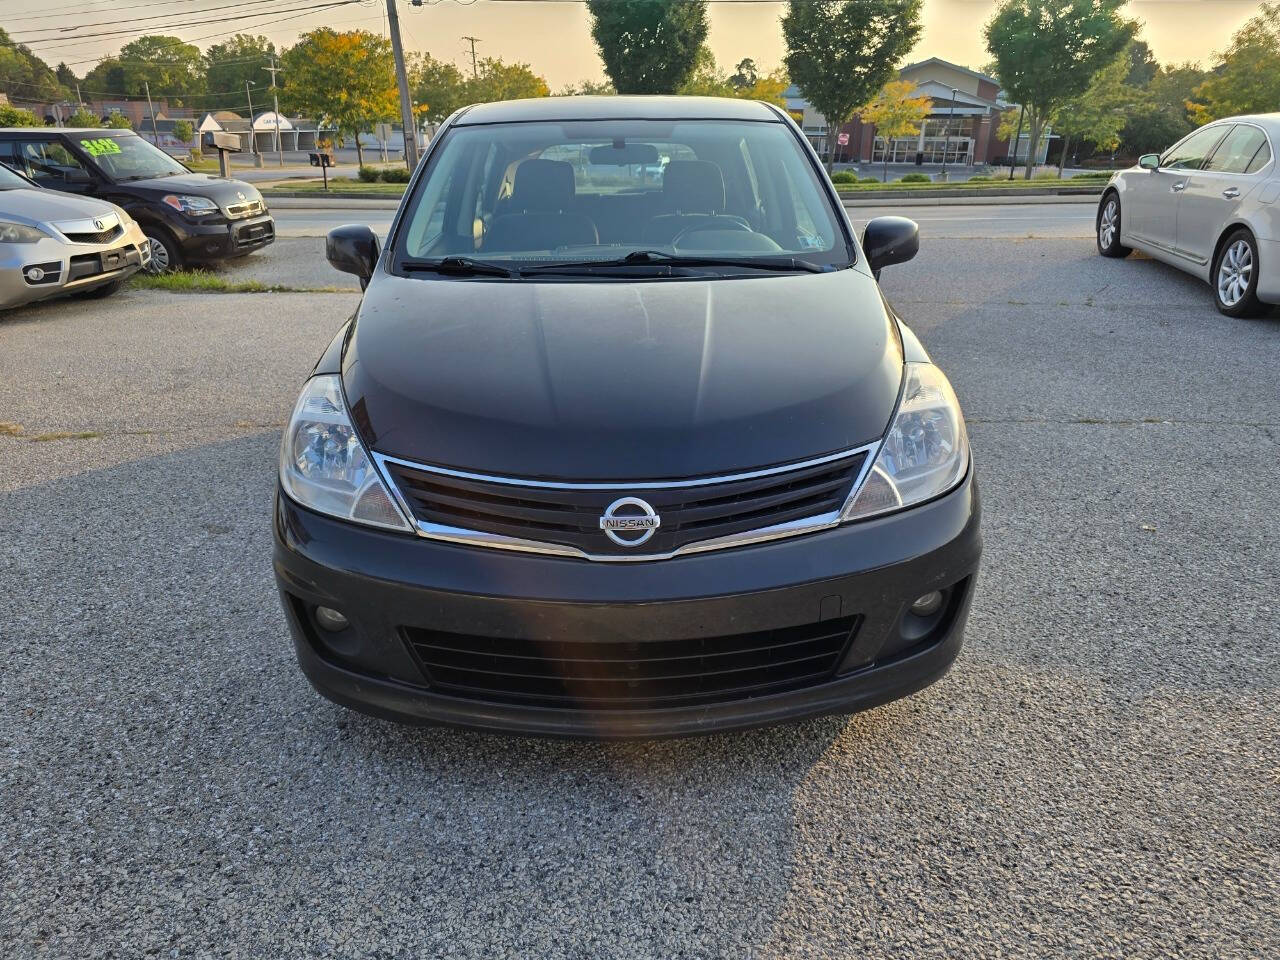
point(555, 38)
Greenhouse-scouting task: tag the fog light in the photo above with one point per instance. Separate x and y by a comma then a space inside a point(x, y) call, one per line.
point(331, 619)
point(925, 606)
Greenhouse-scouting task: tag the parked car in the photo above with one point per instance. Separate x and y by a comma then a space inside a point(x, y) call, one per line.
point(603, 458)
point(52, 244)
point(188, 217)
point(1207, 205)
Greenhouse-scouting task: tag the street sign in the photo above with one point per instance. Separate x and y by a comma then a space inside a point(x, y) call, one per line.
point(842, 139)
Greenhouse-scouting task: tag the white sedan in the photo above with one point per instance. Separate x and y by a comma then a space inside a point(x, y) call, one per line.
point(1209, 205)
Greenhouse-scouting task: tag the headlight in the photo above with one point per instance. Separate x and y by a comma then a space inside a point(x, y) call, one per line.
point(924, 454)
point(324, 466)
point(193, 206)
point(19, 233)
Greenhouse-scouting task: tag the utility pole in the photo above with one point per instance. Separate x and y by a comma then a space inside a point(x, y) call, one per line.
point(402, 81)
point(474, 40)
point(253, 134)
point(275, 99)
point(79, 99)
point(155, 136)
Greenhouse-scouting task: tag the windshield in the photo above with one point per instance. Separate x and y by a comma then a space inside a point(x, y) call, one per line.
point(10, 180)
point(129, 157)
point(524, 194)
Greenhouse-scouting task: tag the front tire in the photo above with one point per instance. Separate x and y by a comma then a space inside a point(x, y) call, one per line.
point(1235, 277)
point(165, 253)
point(1107, 228)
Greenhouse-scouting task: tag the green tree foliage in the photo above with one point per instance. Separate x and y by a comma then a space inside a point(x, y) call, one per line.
point(118, 121)
point(83, 117)
point(347, 79)
point(230, 63)
point(897, 112)
point(1142, 64)
point(841, 53)
point(173, 69)
point(66, 76)
point(648, 46)
point(183, 130)
point(496, 80)
point(708, 81)
point(1248, 79)
point(438, 87)
point(1099, 114)
point(23, 75)
point(1047, 52)
point(11, 116)
point(106, 77)
point(1159, 117)
point(588, 88)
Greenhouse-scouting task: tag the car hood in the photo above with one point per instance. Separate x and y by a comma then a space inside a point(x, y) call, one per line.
point(221, 190)
point(621, 380)
point(35, 205)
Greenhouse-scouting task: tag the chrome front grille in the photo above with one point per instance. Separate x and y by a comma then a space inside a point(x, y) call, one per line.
point(101, 236)
point(250, 208)
point(568, 519)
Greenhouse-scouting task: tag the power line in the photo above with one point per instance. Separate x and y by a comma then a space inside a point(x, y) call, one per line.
point(152, 17)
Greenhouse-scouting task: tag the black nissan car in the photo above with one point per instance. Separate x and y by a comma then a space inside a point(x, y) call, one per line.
point(188, 217)
point(623, 440)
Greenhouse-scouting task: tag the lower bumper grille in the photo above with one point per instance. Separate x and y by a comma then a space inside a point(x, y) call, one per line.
point(629, 675)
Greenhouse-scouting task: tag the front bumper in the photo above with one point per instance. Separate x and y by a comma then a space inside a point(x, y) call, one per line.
point(67, 267)
point(220, 238)
point(393, 586)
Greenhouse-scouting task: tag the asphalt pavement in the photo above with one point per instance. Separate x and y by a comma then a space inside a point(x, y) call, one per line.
point(1098, 776)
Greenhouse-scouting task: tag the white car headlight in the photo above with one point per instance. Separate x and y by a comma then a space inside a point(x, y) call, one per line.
point(324, 466)
point(20, 233)
point(924, 454)
point(192, 206)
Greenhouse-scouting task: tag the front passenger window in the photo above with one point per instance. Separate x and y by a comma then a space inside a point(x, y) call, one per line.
point(1190, 154)
point(50, 163)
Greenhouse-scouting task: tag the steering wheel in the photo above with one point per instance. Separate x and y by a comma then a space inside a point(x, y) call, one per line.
point(721, 224)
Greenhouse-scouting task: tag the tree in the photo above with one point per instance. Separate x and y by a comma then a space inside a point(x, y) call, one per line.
point(173, 69)
point(118, 121)
point(1047, 51)
point(66, 76)
point(83, 117)
point(347, 79)
point(11, 116)
point(1099, 114)
point(229, 64)
point(745, 74)
point(897, 112)
point(841, 53)
point(1142, 64)
point(438, 87)
point(183, 131)
point(706, 79)
point(1159, 117)
point(23, 75)
point(1248, 78)
point(107, 76)
point(648, 46)
point(588, 88)
point(496, 80)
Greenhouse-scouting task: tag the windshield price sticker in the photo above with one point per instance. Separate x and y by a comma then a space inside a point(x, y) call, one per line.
point(100, 146)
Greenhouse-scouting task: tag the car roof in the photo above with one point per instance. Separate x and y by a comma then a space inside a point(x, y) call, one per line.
point(100, 131)
point(618, 108)
point(1270, 121)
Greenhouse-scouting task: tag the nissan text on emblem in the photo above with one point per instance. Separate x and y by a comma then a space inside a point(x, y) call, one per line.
point(629, 515)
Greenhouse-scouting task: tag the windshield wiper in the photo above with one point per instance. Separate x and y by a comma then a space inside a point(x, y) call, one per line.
point(459, 266)
point(658, 258)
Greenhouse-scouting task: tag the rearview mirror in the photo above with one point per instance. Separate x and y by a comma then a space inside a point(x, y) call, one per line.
point(1149, 161)
point(621, 155)
point(890, 240)
point(352, 248)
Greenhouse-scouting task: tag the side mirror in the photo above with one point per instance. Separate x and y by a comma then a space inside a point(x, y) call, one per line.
point(1149, 161)
point(352, 249)
point(76, 175)
point(890, 240)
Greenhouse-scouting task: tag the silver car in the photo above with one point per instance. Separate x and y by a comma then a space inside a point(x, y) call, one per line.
point(1209, 205)
point(52, 243)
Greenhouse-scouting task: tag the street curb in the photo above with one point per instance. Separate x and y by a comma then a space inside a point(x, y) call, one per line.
point(968, 201)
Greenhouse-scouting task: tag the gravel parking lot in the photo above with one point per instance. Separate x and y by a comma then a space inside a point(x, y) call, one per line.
point(1099, 775)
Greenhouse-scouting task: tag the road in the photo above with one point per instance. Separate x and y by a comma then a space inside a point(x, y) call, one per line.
point(1029, 220)
point(1098, 776)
